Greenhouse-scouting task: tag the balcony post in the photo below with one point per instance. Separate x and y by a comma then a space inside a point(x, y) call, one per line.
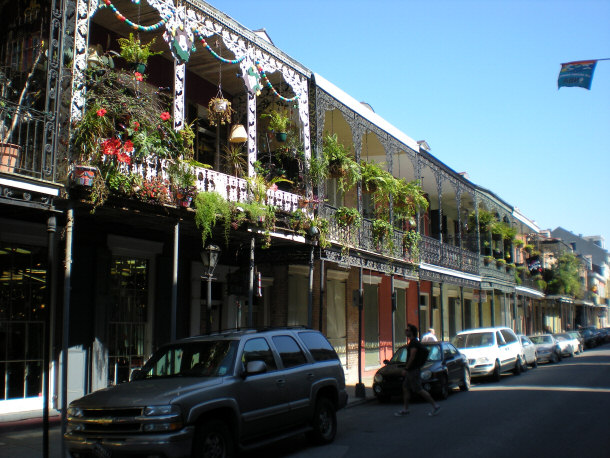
point(251, 118)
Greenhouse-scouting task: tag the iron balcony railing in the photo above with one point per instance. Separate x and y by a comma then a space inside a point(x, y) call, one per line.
point(445, 255)
point(429, 250)
point(25, 141)
point(496, 270)
point(229, 187)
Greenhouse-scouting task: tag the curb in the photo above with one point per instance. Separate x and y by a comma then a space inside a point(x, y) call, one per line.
point(28, 423)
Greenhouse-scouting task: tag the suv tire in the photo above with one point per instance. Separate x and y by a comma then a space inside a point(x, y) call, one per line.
point(212, 440)
point(324, 422)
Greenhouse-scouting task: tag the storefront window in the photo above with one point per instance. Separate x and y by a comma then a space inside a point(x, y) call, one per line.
point(22, 305)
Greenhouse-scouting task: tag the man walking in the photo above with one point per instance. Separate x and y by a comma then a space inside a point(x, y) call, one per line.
point(416, 358)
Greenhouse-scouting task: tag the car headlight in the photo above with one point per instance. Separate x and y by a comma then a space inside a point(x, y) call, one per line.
point(483, 360)
point(162, 418)
point(156, 411)
point(425, 375)
point(378, 378)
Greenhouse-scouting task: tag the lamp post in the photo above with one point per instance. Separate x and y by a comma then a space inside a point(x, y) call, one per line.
point(209, 257)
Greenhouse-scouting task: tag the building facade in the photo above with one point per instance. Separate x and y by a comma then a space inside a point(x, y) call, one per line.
point(103, 243)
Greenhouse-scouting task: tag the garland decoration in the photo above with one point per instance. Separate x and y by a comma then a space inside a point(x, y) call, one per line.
point(270, 86)
point(141, 28)
point(259, 68)
point(222, 59)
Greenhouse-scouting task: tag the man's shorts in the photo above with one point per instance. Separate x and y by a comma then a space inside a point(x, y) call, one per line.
point(413, 380)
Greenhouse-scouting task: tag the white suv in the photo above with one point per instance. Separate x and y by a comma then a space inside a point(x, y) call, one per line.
point(491, 351)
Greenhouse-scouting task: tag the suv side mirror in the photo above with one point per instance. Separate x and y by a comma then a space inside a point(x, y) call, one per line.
point(255, 367)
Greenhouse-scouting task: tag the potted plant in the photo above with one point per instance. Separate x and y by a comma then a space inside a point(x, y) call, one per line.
point(374, 177)
point(234, 159)
point(340, 163)
point(219, 110)
point(348, 216)
point(209, 208)
point(381, 231)
point(135, 53)
point(488, 260)
point(122, 126)
point(407, 196)
point(182, 178)
point(279, 119)
point(410, 243)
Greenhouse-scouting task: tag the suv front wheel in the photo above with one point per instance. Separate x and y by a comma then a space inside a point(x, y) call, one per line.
point(324, 422)
point(212, 440)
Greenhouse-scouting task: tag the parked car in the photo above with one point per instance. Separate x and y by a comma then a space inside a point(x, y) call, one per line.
point(529, 351)
point(208, 395)
point(446, 368)
point(547, 348)
point(581, 341)
point(574, 343)
point(490, 351)
point(565, 345)
point(590, 336)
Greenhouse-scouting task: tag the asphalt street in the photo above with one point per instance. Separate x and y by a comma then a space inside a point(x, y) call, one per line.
point(557, 410)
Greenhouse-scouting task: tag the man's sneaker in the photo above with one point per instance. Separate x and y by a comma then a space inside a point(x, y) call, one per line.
point(435, 412)
point(402, 413)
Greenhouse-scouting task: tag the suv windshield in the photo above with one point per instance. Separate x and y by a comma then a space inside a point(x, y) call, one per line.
point(474, 339)
point(192, 359)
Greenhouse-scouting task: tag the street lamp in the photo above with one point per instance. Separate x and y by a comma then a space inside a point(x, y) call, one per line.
point(209, 257)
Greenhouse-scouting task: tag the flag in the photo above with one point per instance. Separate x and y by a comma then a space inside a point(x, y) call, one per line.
point(578, 74)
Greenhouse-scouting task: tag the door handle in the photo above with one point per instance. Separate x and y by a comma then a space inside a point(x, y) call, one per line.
point(280, 382)
point(310, 376)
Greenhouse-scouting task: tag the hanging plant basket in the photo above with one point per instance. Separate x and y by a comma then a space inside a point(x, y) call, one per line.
point(219, 111)
point(336, 169)
point(281, 136)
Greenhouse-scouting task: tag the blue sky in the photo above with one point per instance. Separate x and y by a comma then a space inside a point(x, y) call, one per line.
point(478, 81)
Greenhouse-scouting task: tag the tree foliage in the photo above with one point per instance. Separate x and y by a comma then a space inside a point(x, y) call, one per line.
point(564, 277)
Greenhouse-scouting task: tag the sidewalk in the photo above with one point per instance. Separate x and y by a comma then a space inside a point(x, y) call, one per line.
point(27, 420)
point(354, 400)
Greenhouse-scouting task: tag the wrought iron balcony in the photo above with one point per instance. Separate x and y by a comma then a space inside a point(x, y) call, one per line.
point(361, 238)
point(26, 141)
point(496, 269)
point(236, 190)
point(229, 187)
point(445, 255)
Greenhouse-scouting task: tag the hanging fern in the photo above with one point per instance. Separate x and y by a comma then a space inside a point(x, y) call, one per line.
point(209, 207)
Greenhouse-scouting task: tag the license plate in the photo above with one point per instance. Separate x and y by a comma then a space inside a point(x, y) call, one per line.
point(100, 451)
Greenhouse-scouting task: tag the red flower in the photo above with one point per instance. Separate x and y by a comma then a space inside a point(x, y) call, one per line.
point(138, 76)
point(101, 112)
point(111, 146)
point(136, 126)
point(128, 146)
point(123, 157)
point(165, 116)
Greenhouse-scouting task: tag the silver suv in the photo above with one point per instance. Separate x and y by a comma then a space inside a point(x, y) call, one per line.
point(214, 394)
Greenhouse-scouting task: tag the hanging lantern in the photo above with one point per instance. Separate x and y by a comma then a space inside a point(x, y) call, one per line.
point(238, 134)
